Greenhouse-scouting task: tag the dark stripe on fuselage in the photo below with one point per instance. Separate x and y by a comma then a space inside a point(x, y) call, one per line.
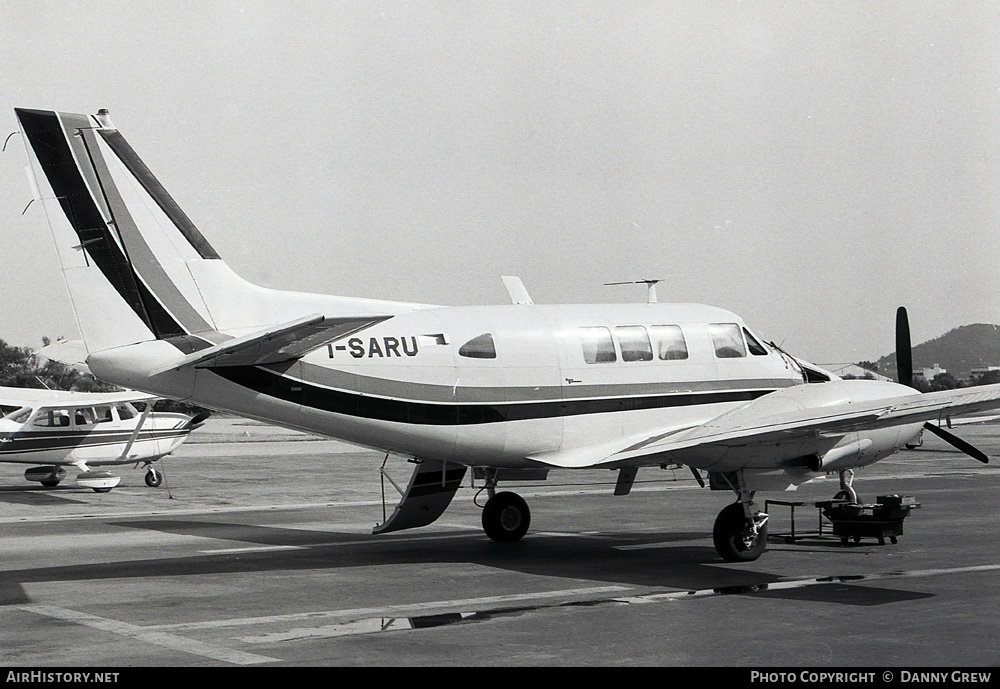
point(47, 139)
point(273, 384)
point(42, 441)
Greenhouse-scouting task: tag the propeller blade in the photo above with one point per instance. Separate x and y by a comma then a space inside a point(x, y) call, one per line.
point(904, 354)
point(957, 442)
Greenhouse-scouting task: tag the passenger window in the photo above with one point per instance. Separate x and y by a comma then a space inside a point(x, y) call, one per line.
point(598, 347)
point(52, 418)
point(634, 342)
point(756, 348)
point(670, 343)
point(728, 340)
point(479, 347)
point(85, 416)
point(126, 411)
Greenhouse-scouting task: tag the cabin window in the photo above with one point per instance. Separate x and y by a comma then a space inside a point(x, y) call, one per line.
point(479, 347)
point(126, 411)
point(670, 343)
point(728, 340)
point(756, 348)
point(52, 418)
point(598, 347)
point(85, 416)
point(634, 342)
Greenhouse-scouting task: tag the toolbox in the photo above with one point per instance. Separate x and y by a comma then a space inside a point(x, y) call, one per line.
point(881, 520)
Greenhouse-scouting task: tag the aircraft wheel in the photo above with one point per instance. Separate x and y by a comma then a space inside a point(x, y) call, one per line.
point(506, 517)
point(847, 495)
point(154, 479)
point(49, 484)
point(101, 490)
point(733, 539)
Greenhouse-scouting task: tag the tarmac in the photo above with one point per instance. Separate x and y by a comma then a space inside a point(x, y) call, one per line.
point(257, 552)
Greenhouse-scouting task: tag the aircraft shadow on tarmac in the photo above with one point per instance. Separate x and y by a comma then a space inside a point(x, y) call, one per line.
point(583, 557)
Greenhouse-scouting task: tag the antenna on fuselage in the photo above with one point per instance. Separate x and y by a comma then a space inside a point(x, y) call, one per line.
point(651, 292)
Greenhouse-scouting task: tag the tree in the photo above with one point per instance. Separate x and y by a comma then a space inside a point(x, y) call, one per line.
point(943, 381)
point(20, 368)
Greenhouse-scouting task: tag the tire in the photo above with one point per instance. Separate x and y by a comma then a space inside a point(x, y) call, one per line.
point(847, 495)
point(506, 517)
point(728, 536)
point(154, 479)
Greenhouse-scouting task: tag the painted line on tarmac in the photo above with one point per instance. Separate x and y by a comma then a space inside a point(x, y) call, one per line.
point(404, 610)
point(366, 540)
point(149, 635)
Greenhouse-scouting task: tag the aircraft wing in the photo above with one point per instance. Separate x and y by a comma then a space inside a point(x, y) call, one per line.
point(274, 345)
point(32, 397)
point(782, 431)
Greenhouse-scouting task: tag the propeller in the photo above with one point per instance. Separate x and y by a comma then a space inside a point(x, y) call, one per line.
point(904, 353)
point(904, 375)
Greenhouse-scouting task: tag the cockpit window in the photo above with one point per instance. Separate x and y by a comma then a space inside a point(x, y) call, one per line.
point(670, 343)
point(756, 348)
point(728, 340)
point(598, 347)
point(634, 342)
point(16, 414)
point(479, 347)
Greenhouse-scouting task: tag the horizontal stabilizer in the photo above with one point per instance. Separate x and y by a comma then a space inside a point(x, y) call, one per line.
point(72, 353)
point(275, 345)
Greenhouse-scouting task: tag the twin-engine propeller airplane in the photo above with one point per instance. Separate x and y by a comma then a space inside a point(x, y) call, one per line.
point(509, 390)
point(55, 429)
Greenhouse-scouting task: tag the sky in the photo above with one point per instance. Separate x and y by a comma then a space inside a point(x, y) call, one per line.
point(808, 164)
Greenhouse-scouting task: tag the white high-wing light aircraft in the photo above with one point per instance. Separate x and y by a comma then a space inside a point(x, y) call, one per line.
point(510, 390)
point(55, 429)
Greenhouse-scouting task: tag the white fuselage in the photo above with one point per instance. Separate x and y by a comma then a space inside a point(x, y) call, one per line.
point(75, 435)
point(488, 385)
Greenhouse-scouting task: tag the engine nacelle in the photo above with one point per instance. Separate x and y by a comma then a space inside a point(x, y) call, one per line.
point(865, 447)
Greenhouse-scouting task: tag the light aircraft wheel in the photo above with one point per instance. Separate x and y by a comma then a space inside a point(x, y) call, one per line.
point(154, 479)
point(101, 490)
point(847, 495)
point(49, 484)
point(506, 517)
point(733, 537)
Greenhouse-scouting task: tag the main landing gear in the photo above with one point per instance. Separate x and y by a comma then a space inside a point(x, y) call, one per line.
point(740, 531)
point(506, 516)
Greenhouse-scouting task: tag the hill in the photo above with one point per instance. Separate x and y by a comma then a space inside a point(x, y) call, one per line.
point(958, 351)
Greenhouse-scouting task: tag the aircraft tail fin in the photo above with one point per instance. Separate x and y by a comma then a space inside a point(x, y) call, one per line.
point(136, 266)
